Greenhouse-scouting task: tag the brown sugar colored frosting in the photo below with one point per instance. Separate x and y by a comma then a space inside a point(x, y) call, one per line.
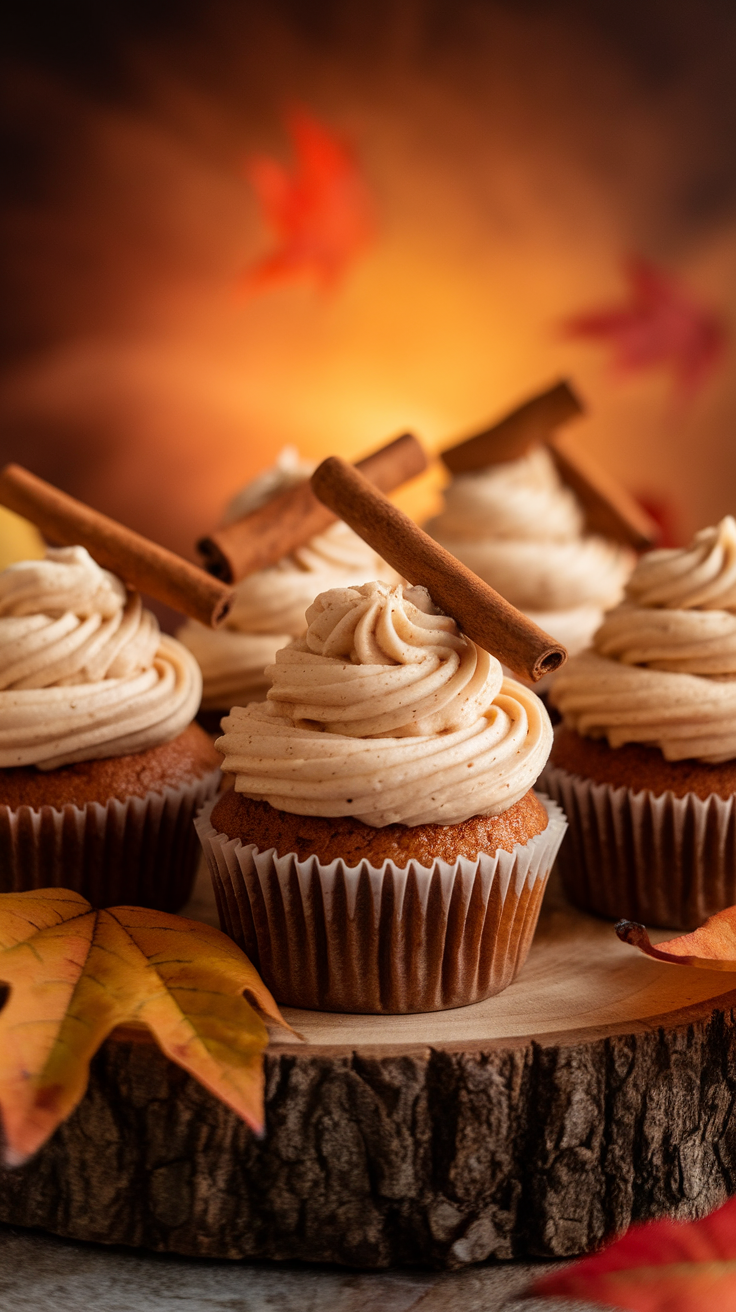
point(269, 606)
point(84, 671)
point(662, 670)
point(518, 527)
point(385, 711)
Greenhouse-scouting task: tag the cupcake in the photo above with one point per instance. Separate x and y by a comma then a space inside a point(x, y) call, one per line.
point(101, 767)
point(382, 849)
point(518, 527)
point(268, 610)
point(644, 762)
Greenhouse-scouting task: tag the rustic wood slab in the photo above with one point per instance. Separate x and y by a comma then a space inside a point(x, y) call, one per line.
point(597, 1090)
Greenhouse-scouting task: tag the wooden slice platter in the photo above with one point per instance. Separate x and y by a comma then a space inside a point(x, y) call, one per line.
point(597, 1090)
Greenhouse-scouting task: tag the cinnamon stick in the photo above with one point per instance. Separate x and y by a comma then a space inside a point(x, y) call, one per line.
point(609, 509)
point(517, 432)
point(289, 520)
point(140, 563)
point(482, 613)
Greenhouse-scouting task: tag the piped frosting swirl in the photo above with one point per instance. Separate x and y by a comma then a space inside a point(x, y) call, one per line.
point(662, 670)
point(269, 606)
point(84, 671)
point(521, 529)
point(385, 711)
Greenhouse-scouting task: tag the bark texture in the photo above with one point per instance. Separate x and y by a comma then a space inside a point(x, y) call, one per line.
point(434, 1157)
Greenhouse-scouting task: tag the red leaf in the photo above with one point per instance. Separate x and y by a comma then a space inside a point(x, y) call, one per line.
point(661, 324)
point(712, 947)
point(321, 214)
point(664, 1266)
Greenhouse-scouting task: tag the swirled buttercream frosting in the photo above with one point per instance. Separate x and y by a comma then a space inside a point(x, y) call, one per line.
point(269, 606)
point(385, 711)
point(85, 672)
point(662, 670)
point(521, 529)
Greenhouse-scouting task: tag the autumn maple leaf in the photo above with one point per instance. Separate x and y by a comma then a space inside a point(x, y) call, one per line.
point(74, 974)
point(321, 213)
point(711, 947)
point(661, 324)
point(663, 1266)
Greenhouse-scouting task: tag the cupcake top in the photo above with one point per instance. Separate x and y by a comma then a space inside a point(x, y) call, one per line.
point(662, 668)
point(386, 712)
point(269, 605)
point(85, 672)
point(521, 529)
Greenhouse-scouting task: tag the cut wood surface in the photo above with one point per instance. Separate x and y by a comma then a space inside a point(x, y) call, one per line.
point(597, 1090)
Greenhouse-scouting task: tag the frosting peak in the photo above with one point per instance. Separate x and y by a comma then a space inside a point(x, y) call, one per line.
point(701, 576)
point(68, 579)
point(663, 666)
point(84, 670)
point(522, 498)
point(518, 527)
point(268, 609)
point(387, 712)
point(380, 660)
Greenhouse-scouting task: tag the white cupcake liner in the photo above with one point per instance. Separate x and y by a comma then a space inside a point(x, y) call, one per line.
point(381, 939)
point(663, 860)
point(142, 851)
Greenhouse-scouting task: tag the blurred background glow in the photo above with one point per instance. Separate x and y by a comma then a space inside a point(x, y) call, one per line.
point(516, 153)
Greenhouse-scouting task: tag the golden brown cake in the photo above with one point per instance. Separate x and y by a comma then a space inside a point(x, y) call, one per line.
point(640, 768)
point(188, 757)
point(351, 841)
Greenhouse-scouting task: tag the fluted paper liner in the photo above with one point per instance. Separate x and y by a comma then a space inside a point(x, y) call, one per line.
point(663, 860)
point(381, 939)
point(142, 851)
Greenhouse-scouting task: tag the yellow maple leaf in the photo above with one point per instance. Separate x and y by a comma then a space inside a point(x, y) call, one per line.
point(75, 974)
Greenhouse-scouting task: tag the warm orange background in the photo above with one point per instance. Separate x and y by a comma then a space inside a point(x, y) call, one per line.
point(512, 174)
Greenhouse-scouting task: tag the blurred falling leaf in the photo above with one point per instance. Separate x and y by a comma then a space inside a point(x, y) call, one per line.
point(74, 974)
point(321, 213)
point(663, 1266)
point(661, 324)
point(712, 947)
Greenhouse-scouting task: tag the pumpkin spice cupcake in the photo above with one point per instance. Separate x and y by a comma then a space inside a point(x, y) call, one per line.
point(382, 849)
point(101, 767)
point(645, 761)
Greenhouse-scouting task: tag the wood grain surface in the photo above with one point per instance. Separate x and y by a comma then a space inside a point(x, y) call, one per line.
point(597, 1090)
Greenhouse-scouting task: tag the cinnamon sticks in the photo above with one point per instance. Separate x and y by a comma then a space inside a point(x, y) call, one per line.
point(140, 563)
point(482, 613)
point(517, 432)
point(289, 520)
point(609, 508)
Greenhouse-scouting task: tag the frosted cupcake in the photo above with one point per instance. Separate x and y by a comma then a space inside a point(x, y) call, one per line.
point(269, 606)
point(519, 527)
point(101, 767)
point(382, 849)
point(645, 762)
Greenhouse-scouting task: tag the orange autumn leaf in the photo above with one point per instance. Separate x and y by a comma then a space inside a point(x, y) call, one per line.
point(74, 974)
point(321, 213)
point(712, 947)
point(663, 1266)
